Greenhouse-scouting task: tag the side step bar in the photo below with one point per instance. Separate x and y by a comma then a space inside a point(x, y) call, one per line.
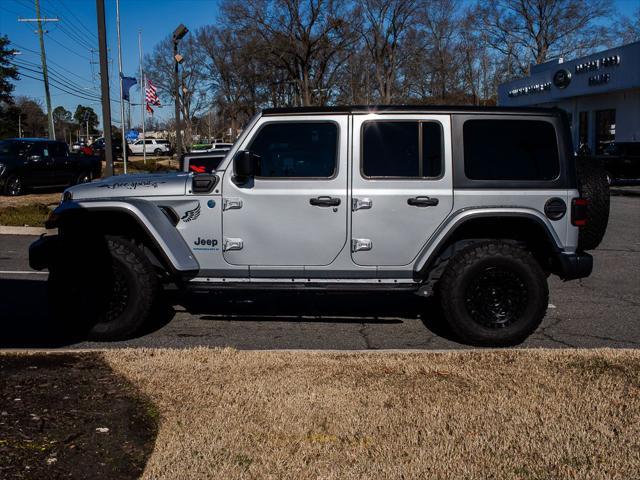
point(199, 286)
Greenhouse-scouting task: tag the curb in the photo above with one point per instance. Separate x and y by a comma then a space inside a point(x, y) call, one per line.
point(621, 192)
point(5, 230)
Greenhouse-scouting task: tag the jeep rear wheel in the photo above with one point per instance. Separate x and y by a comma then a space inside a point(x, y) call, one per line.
point(108, 292)
point(493, 294)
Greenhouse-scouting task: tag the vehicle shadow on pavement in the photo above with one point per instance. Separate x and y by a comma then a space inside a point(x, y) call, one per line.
point(25, 322)
point(24, 319)
point(343, 308)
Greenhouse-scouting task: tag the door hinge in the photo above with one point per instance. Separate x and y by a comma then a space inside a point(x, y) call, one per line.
point(231, 203)
point(361, 244)
point(232, 244)
point(361, 203)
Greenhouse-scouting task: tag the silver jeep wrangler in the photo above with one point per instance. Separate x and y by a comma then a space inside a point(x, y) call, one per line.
point(477, 206)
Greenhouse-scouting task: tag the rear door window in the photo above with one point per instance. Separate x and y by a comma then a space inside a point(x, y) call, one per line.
point(510, 150)
point(402, 149)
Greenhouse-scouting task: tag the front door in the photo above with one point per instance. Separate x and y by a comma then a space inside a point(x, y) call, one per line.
point(402, 186)
point(294, 213)
point(37, 164)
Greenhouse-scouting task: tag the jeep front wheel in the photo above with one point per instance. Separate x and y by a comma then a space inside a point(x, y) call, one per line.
point(108, 292)
point(493, 294)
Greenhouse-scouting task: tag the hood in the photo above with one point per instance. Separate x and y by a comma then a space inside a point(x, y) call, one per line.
point(145, 185)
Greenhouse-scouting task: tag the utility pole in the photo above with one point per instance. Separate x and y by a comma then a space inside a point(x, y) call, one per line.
point(178, 33)
point(19, 125)
point(122, 125)
point(104, 88)
point(143, 85)
point(43, 59)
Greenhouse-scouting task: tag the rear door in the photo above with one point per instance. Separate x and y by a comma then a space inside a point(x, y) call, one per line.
point(402, 185)
point(295, 212)
point(62, 167)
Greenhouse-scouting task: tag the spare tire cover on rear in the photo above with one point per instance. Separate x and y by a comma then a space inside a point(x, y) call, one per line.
point(593, 185)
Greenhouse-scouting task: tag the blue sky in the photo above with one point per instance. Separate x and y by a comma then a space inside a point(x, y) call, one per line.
point(68, 42)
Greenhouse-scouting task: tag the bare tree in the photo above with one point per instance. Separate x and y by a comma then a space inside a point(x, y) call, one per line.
point(441, 29)
point(385, 25)
point(159, 69)
point(307, 40)
point(532, 31)
point(630, 28)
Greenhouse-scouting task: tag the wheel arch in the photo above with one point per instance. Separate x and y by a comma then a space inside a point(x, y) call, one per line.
point(133, 218)
point(522, 225)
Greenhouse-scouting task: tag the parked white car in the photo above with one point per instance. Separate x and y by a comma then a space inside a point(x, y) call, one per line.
point(153, 146)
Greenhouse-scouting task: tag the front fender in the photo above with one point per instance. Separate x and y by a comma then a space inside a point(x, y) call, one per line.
point(148, 216)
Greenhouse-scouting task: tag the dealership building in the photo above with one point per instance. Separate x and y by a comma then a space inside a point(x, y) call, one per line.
point(600, 92)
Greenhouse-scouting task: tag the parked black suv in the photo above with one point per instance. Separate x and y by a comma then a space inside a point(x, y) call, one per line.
point(41, 163)
point(116, 147)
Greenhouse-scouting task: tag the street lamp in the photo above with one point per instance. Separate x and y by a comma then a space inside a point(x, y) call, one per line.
point(178, 34)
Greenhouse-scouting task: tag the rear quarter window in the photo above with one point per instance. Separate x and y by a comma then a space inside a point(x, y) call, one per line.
point(510, 150)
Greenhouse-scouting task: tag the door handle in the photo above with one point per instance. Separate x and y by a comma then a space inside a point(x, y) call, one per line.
point(324, 201)
point(422, 202)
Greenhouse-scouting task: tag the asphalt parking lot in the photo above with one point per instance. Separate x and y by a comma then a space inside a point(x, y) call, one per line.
point(600, 311)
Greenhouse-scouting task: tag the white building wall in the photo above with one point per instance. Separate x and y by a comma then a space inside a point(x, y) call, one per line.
point(620, 91)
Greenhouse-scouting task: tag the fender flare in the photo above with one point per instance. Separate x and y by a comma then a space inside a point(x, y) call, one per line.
point(459, 218)
point(149, 217)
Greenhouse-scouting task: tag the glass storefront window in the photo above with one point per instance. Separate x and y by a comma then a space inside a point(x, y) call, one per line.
point(605, 129)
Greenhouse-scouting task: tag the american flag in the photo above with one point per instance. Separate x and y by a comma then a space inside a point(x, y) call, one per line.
point(151, 94)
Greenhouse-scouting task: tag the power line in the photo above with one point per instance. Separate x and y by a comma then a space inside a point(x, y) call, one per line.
point(54, 63)
point(78, 20)
point(68, 49)
point(73, 36)
point(56, 81)
point(52, 71)
point(60, 88)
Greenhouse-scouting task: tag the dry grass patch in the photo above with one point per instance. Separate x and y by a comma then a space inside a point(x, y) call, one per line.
point(33, 215)
point(49, 198)
point(512, 414)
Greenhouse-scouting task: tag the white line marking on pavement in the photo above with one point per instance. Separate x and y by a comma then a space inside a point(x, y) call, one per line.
point(22, 272)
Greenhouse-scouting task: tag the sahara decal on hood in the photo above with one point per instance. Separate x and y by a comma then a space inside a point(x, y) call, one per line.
point(162, 184)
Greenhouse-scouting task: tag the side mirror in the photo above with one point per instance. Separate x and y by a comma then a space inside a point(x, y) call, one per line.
point(246, 165)
point(35, 158)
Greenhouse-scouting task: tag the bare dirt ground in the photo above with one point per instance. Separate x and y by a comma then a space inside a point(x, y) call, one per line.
point(534, 414)
point(70, 416)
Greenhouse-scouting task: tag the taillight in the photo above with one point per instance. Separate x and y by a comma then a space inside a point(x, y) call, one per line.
point(579, 212)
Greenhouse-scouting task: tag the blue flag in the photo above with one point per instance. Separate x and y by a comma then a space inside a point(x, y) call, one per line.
point(127, 83)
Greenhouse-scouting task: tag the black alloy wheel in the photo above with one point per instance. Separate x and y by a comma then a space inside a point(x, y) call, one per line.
point(14, 186)
point(496, 298)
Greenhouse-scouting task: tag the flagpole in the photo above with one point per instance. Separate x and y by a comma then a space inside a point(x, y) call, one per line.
point(124, 141)
point(143, 85)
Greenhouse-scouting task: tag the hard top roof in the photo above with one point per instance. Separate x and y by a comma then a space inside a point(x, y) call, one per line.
point(364, 109)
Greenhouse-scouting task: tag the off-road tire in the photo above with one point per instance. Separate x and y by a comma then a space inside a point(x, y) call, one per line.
point(512, 279)
point(106, 289)
point(594, 186)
